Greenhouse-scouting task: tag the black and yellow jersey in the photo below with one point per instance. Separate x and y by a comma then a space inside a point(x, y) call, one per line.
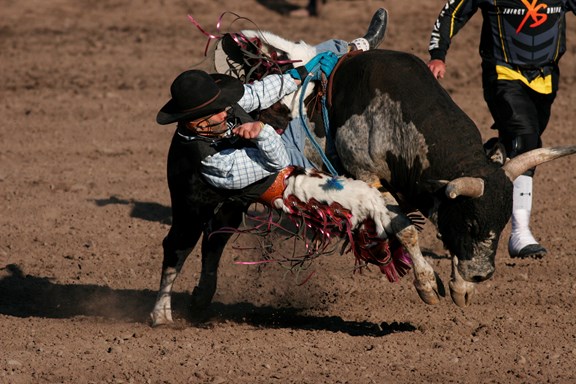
point(519, 37)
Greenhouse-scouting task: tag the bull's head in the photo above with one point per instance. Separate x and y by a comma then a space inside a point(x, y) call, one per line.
point(477, 210)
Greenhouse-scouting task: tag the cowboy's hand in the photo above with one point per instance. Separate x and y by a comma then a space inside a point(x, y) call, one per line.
point(438, 68)
point(249, 130)
point(328, 62)
point(324, 61)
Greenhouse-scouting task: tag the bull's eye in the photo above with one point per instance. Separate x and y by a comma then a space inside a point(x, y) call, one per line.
point(472, 228)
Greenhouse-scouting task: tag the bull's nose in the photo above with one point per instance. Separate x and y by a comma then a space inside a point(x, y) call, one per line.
point(481, 278)
point(475, 273)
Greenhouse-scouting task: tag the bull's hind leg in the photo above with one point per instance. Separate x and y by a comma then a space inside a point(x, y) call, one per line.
point(171, 267)
point(177, 246)
point(186, 229)
point(213, 244)
point(426, 280)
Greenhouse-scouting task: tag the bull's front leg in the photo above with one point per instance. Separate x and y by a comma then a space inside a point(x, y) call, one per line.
point(461, 290)
point(427, 282)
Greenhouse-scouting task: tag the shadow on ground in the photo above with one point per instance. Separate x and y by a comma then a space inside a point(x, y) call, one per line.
point(32, 296)
point(144, 210)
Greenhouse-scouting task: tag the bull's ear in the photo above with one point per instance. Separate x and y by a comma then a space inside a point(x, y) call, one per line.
point(495, 151)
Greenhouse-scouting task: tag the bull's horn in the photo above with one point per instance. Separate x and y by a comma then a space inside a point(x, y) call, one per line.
point(527, 160)
point(465, 186)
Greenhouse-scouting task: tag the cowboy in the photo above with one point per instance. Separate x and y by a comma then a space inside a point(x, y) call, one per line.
point(230, 149)
point(211, 112)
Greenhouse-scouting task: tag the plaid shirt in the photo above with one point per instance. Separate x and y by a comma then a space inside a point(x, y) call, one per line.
point(238, 168)
point(262, 94)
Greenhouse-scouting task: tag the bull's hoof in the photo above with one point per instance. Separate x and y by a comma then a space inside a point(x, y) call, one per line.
point(430, 293)
point(462, 293)
point(161, 317)
point(461, 290)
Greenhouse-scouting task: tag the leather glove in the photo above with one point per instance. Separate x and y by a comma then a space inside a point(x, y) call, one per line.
point(325, 62)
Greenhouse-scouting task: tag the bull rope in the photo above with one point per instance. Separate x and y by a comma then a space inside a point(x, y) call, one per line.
point(304, 120)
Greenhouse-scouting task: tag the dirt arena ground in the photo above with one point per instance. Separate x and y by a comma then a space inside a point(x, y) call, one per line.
point(84, 207)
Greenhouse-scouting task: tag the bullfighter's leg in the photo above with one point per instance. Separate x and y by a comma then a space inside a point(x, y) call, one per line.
point(183, 236)
point(213, 244)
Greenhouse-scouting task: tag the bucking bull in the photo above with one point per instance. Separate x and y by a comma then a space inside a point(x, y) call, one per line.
point(392, 124)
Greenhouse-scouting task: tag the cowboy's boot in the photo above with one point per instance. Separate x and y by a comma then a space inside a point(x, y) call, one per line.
point(375, 34)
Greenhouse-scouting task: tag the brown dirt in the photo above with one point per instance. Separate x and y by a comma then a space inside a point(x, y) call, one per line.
point(84, 207)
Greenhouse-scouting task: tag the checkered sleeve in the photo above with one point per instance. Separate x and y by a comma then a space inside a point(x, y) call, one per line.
point(238, 168)
point(262, 94)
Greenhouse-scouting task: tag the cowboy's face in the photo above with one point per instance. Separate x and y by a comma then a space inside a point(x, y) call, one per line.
point(213, 125)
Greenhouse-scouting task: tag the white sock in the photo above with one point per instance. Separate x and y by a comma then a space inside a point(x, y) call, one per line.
point(521, 208)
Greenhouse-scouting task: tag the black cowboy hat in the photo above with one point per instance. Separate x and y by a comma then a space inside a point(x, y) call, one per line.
point(196, 94)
